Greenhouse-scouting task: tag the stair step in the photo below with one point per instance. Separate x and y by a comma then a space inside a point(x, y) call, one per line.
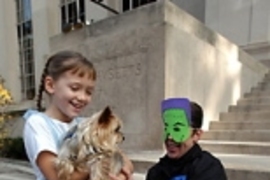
point(254, 101)
point(246, 167)
point(248, 108)
point(242, 174)
point(258, 90)
point(236, 147)
point(137, 176)
point(244, 116)
point(239, 125)
point(15, 176)
point(238, 135)
point(264, 84)
point(257, 94)
point(267, 77)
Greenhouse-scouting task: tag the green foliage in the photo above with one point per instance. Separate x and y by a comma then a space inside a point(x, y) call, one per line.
point(5, 100)
point(8, 147)
point(13, 148)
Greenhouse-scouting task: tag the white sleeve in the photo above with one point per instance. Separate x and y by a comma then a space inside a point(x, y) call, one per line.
point(38, 137)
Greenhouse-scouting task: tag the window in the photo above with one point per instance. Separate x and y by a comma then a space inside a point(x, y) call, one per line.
point(26, 50)
point(72, 14)
point(132, 4)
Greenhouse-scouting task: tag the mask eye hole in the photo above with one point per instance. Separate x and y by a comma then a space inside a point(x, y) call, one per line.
point(176, 129)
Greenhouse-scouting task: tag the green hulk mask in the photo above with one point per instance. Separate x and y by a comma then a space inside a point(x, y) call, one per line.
point(176, 118)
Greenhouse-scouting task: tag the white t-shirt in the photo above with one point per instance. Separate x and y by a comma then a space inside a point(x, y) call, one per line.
point(38, 137)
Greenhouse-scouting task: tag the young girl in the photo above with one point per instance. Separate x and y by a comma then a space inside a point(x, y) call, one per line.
point(68, 79)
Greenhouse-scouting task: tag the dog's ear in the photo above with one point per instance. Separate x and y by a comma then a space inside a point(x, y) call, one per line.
point(105, 115)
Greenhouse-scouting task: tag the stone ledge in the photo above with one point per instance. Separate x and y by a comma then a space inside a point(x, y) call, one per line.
point(256, 47)
point(15, 161)
point(17, 165)
point(20, 106)
point(232, 162)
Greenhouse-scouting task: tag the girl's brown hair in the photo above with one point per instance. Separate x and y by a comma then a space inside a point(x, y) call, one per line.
point(62, 62)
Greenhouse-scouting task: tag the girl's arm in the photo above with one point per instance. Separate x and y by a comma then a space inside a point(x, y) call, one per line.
point(46, 159)
point(128, 166)
point(45, 162)
point(127, 170)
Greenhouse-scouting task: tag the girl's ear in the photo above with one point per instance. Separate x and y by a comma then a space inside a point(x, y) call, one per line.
point(49, 85)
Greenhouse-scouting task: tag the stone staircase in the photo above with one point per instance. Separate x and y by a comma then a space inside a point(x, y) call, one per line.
point(245, 128)
point(241, 139)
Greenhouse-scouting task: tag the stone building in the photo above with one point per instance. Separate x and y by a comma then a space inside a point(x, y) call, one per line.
point(27, 26)
point(153, 50)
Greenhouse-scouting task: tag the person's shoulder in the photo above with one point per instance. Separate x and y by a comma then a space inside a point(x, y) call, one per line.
point(153, 168)
point(34, 118)
point(204, 160)
point(210, 158)
point(161, 169)
point(153, 171)
point(207, 166)
point(156, 166)
point(207, 161)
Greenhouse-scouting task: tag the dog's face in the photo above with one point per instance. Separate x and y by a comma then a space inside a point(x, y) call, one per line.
point(104, 131)
point(91, 143)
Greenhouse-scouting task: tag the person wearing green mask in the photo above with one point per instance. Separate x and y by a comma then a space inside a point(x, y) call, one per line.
point(184, 158)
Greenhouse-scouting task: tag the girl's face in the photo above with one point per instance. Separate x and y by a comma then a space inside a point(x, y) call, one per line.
point(70, 94)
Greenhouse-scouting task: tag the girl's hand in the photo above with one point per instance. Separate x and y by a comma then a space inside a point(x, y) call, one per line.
point(119, 177)
point(45, 162)
point(125, 174)
point(126, 171)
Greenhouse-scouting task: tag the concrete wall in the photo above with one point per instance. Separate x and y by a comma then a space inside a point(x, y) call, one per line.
point(243, 22)
point(155, 52)
point(193, 7)
point(9, 50)
point(128, 57)
point(205, 66)
point(47, 23)
point(43, 28)
point(40, 19)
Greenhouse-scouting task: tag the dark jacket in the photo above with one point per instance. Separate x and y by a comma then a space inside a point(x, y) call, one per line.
point(194, 165)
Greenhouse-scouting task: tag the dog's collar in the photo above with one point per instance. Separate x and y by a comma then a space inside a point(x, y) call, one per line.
point(70, 133)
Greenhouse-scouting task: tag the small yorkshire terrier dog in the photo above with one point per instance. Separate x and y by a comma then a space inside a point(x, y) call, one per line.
point(92, 146)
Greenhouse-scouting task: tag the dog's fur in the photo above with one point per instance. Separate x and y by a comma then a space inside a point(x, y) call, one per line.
point(92, 146)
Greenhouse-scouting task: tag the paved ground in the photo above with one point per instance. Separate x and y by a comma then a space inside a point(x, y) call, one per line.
point(17, 170)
